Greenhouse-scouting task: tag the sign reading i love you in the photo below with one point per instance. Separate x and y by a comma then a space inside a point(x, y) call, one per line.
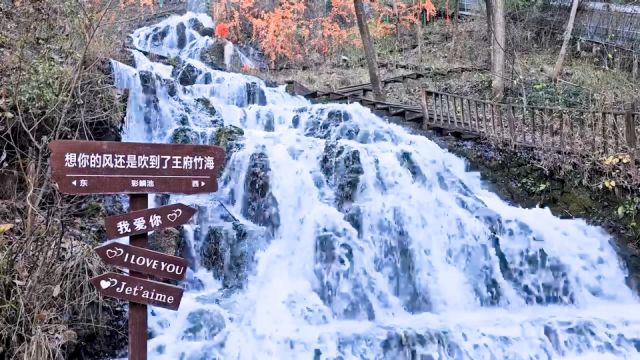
point(144, 261)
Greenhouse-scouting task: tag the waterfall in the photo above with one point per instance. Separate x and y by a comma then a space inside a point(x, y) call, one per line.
point(337, 235)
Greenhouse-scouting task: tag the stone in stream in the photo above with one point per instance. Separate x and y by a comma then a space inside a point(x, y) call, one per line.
point(204, 104)
point(186, 75)
point(332, 125)
point(396, 260)
point(147, 82)
point(181, 31)
point(342, 169)
point(259, 205)
point(184, 135)
point(203, 325)
point(337, 286)
point(255, 94)
point(228, 251)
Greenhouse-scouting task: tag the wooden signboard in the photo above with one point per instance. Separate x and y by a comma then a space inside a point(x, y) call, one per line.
point(143, 260)
point(144, 221)
point(137, 169)
point(137, 290)
point(105, 167)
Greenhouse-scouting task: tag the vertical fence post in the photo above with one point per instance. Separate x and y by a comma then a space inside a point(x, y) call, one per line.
point(425, 110)
point(630, 136)
point(138, 312)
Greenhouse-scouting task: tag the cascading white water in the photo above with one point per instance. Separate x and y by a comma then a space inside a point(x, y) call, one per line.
point(336, 235)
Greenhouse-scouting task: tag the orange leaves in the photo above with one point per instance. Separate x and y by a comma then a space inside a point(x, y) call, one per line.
point(222, 30)
point(284, 33)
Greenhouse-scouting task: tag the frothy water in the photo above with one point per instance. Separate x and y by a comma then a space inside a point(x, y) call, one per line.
point(336, 235)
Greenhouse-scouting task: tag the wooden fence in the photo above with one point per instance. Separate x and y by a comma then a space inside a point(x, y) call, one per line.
point(585, 132)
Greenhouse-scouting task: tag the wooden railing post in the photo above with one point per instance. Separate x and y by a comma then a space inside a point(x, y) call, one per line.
point(425, 110)
point(630, 129)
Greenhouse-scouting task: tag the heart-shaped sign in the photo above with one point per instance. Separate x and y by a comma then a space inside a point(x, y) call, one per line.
point(174, 215)
point(111, 253)
point(107, 283)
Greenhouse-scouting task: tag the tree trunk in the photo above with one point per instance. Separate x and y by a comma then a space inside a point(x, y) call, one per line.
point(565, 42)
point(490, 30)
point(419, 31)
point(369, 51)
point(498, 49)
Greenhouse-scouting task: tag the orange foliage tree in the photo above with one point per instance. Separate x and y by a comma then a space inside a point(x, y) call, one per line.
point(284, 33)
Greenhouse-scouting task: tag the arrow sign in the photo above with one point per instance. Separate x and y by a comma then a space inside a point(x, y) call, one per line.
point(144, 221)
point(108, 167)
point(138, 290)
point(143, 260)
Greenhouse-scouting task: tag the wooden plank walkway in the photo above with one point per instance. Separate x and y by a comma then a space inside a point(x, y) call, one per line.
point(559, 130)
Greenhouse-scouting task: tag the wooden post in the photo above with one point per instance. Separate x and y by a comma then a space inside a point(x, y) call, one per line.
point(630, 129)
point(511, 123)
point(594, 123)
point(605, 150)
point(138, 312)
point(425, 110)
point(533, 126)
point(435, 107)
point(475, 104)
point(455, 112)
point(634, 70)
point(562, 119)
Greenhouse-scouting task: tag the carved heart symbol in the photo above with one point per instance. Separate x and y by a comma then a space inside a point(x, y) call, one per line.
point(108, 283)
point(111, 253)
point(174, 215)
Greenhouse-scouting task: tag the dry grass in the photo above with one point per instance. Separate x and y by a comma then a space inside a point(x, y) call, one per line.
point(52, 86)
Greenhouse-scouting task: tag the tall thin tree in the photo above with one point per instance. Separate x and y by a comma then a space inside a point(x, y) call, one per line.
point(565, 43)
point(369, 51)
point(498, 45)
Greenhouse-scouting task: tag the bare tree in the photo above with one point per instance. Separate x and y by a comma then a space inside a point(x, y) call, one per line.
point(369, 51)
point(496, 30)
point(565, 42)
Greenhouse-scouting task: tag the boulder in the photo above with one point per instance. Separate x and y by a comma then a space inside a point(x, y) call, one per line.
point(259, 205)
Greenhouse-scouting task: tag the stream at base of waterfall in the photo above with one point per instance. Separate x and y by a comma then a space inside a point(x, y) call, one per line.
point(336, 235)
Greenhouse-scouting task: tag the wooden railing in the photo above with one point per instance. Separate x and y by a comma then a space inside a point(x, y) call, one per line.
point(564, 130)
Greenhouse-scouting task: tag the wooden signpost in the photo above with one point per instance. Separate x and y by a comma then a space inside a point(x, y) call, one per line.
point(102, 167)
point(144, 221)
point(143, 261)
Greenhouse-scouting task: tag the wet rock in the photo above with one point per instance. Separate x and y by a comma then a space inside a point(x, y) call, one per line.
point(342, 168)
point(334, 268)
point(170, 85)
point(183, 119)
point(181, 31)
point(214, 55)
point(184, 135)
point(159, 35)
point(235, 61)
point(188, 75)
point(255, 94)
point(259, 205)
point(167, 241)
point(397, 261)
point(407, 162)
point(230, 138)
point(228, 251)
point(295, 121)
point(354, 217)
point(203, 325)
point(266, 118)
point(147, 82)
point(336, 124)
point(196, 25)
point(205, 105)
